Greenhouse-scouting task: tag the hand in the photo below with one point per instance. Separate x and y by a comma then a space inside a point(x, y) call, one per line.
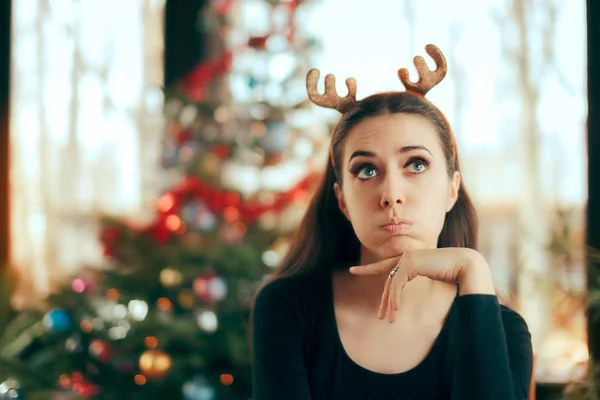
point(459, 265)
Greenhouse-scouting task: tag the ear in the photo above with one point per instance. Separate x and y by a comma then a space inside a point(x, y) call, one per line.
point(453, 189)
point(339, 195)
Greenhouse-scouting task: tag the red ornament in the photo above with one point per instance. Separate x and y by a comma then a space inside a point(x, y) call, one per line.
point(221, 150)
point(108, 252)
point(259, 42)
point(182, 137)
point(100, 350)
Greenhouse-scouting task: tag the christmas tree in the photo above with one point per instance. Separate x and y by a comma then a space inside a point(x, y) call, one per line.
point(167, 316)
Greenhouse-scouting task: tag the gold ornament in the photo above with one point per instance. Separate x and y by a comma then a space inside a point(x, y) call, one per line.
point(268, 221)
point(186, 298)
point(281, 245)
point(155, 364)
point(192, 239)
point(170, 277)
point(209, 164)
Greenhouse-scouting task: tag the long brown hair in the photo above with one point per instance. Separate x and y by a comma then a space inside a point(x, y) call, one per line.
point(325, 239)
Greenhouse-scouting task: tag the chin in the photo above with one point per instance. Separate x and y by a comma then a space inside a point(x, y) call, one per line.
point(395, 246)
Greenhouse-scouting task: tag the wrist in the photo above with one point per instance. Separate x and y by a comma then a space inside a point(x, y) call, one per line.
point(475, 276)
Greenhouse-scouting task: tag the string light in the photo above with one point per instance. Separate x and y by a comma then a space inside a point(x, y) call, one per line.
point(165, 203)
point(140, 379)
point(231, 214)
point(163, 304)
point(226, 379)
point(151, 342)
point(112, 295)
point(173, 223)
point(86, 326)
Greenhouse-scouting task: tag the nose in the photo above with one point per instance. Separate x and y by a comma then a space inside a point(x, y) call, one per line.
point(392, 192)
point(385, 203)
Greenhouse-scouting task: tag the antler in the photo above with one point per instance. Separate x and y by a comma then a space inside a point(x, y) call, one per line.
point(427, 78)
point(330, 99)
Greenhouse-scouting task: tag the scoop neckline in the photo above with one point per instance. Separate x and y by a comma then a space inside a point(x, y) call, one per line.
point(368, 371)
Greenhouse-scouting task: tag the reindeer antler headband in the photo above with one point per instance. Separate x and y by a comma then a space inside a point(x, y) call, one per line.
point(427, 80)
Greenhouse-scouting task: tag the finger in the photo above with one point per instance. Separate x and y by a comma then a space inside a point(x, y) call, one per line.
point(391, 293)
point(398, 290)
point(393, 306)
point(395, 292)
point(384, 301)
point(392, 312)
point(379, 267)
point(398, 295)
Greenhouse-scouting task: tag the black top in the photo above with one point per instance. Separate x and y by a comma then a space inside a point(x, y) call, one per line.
point(483, 351)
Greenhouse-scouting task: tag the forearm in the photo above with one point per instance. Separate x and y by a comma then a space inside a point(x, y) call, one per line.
point(483, 367)
point(487, 368)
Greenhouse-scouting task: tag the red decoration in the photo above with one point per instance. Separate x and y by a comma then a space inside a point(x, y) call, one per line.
point(159, 232)
point(195, 83)
point(232, 199)
point(218, 201)
point(228, 204)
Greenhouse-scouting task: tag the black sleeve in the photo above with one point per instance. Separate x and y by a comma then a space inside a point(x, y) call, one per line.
point(495, 357)
point(278, 366)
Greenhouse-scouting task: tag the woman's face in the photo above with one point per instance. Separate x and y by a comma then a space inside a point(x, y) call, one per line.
point(395, 186)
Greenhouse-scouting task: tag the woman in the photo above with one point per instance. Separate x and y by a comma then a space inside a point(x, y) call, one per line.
point(417, 316)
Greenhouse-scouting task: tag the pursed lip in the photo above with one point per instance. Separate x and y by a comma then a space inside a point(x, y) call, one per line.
point(397, 228)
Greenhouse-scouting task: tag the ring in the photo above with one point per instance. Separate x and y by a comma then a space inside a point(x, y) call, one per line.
point(393, 272)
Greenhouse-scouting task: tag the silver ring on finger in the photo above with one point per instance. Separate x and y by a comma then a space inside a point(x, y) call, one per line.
point(393, 272)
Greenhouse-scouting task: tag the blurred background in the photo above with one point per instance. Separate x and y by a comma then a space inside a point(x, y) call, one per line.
point(157, 155)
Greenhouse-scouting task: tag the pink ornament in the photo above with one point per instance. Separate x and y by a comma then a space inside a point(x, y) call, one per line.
point(79, 285)
point(85, 282)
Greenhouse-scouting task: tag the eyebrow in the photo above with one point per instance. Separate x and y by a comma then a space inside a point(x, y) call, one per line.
point(404, 149)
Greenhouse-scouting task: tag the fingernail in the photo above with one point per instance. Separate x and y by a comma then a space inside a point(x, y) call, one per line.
point(353, 269)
